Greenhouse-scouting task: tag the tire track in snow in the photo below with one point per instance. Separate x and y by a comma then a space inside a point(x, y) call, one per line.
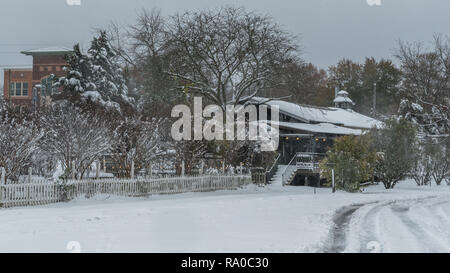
point(338, 235)
point(428, 242)
point(369, 223)
point(375, 228)
point(434, 222)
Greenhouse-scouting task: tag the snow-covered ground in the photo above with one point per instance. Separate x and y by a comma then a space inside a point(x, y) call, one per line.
point(254, 219)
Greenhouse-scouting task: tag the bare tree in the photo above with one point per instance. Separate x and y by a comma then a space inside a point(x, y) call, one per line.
point(426, 84)
point(142, 47)
point(440, 156)
point(302, 82)
point(227, 53)
point(189, 152)
point(74, 138)
point(138, 141)
point(18, 142)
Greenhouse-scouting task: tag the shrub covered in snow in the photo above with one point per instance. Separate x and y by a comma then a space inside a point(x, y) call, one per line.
point(18, 142)
point(395, 144)
point(72, 137)
point(138, 141)
point(433, 161)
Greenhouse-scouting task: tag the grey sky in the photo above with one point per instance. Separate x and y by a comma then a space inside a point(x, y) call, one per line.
point(329, 29)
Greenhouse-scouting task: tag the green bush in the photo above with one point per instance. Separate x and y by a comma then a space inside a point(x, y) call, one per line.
point(352, 159)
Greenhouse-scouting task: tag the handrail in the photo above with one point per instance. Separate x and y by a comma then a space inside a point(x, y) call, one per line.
point(275, 163)
point(287, 168)
point(271, 172)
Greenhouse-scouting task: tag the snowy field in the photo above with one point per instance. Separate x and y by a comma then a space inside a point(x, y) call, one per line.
point(254, 219)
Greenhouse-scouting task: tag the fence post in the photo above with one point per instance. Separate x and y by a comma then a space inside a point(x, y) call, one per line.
point(240, 171)
point(3, 176)
point(30, 173)
point(132, 169)
point(182, 168)
point(88, 171)
point(97, 169)
point(223, 167)
point(73, 170)
point(104, 164)
point(202, 167)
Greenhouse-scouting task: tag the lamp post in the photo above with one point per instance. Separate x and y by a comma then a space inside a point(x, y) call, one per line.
point(333, 184)
point(374, 98)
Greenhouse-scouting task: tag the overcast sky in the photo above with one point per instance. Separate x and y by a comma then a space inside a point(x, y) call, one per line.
point(329, 29)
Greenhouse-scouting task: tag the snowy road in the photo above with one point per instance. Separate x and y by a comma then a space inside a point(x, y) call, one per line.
point(416, 225)
point(255, 219)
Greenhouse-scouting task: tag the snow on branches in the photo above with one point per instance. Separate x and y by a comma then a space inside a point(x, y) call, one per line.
point(74, 138)
point(426, 85)
point(96, 76)
point(226, 54)
point(138, 141)
point(18, 141)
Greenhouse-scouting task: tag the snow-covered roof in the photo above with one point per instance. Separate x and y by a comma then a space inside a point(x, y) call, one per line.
point(313, 114)
point(324, 128)
point(55, 50)
point(342, 99)
point(342, 96)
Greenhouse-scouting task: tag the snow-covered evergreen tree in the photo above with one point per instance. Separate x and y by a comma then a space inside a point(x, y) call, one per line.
point(107, 75)
point(79, 77)
point(96, 76)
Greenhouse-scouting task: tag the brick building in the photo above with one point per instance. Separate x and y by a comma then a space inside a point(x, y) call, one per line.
point(30, 86)
point(18, 86)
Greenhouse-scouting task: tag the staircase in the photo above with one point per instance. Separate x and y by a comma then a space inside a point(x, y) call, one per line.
point(277, 178)
point(289, 174)
point(305, 163)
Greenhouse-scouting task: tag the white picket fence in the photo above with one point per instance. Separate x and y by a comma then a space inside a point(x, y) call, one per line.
point(40, 193)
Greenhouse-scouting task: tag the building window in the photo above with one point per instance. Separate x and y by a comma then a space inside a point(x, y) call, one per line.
point(47, 86)
point(25, 89)
point(18, 89)
point(12, 89)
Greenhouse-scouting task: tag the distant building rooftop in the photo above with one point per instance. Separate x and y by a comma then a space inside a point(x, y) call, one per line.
point(18, 69)
point(48, 51)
